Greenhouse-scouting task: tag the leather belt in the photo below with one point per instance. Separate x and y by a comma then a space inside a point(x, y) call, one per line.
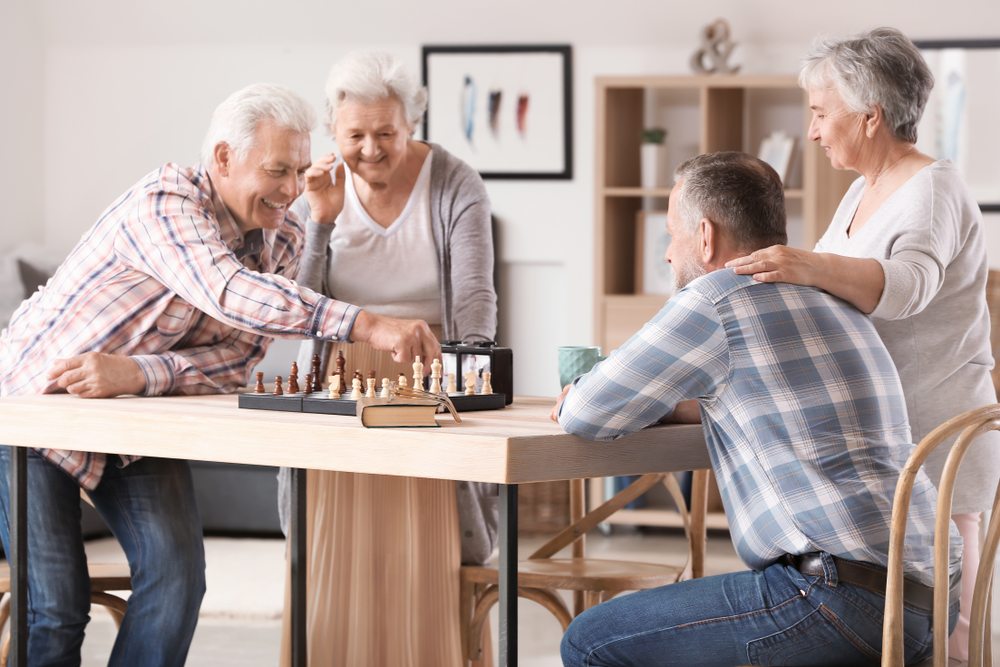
point(872, 578)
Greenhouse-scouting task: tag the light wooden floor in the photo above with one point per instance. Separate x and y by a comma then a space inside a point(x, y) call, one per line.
point(240, 626)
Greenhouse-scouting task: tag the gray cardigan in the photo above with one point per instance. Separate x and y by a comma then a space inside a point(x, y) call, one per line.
point(460, 219)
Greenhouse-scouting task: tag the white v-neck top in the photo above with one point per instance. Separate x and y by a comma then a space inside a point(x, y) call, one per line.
point(932, 317)
point(389, 271)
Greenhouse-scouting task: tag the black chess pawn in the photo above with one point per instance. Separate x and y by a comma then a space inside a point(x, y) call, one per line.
point(277, 386)
point(259, 387)
point(309, 383)
point(293, 379)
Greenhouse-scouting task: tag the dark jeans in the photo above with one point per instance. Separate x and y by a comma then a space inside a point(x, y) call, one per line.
point(150, 507)
point(775, 617)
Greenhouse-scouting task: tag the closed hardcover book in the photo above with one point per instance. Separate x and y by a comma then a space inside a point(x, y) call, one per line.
point(398, 413)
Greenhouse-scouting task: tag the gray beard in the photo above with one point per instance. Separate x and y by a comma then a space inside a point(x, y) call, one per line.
point(690, 272)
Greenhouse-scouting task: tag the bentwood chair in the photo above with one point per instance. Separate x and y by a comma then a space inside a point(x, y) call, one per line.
point(591, 580)
point(971, 424)
point(104, 577)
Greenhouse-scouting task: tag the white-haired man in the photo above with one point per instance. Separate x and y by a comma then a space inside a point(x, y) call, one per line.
point(177, 289)
point(806, 427)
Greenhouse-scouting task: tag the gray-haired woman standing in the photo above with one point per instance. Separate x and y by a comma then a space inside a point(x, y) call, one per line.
point(404, 227)
point(906, 245)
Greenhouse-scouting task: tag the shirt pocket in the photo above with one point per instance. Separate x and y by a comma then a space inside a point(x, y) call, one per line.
point(175, 318)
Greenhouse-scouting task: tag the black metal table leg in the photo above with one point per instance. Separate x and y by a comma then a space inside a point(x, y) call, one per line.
point(19, 557)
point(298, 556)
point(508, 575)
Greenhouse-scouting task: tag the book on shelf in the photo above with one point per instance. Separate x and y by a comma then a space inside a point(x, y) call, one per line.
point(398, 413)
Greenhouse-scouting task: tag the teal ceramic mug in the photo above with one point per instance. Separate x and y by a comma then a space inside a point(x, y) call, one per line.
point(577, 360)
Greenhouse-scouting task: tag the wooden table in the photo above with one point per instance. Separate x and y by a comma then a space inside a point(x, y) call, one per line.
point(509, 447)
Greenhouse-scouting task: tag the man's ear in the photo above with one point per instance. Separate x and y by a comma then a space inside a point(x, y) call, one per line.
point(708, 240)
point(873, 120)
point(222, 156)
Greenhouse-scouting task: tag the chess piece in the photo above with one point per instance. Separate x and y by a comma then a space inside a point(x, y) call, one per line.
point(487, 387)
point(385, 388)
point(317, 374)
point(436, 376)
point(355, 389)
point(371, 385)
point(309, 383)
point(277, 386)
point(418, 373)
point(334, 386)
point(470, 383)
point(259, 387)
point(340, 363)
point(293, 379)
point(402, 381)
point(452, 388)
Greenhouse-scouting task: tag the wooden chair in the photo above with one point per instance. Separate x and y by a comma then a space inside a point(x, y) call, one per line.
point(591, 580)
point(104, 577)
point(972, 424)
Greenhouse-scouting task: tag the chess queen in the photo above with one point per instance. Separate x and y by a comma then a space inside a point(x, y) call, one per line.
point(399, 227)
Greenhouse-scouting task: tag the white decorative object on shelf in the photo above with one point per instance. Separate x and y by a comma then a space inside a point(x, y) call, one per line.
point(717, 47)
point(776, 150)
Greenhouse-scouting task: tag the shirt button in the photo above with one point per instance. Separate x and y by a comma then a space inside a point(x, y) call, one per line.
point(319, 334)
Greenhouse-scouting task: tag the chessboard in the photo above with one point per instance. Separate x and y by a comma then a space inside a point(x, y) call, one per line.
point(321, 403)
point(478, 365)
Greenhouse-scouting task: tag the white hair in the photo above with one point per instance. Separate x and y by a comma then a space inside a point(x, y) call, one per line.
point(365, 77)
point(235, 121)
point(880, 67)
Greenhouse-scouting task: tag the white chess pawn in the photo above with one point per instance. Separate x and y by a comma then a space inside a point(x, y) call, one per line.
point(402, 380)
point(452, 388)
point(334, 386)
point(371, 388)
point(355, 389)
point(487, 387)
point(385, 388)
point(470, 383)
point(436, 376)
point(418, 373)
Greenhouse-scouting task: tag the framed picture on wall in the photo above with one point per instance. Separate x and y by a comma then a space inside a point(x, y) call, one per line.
point(505, 110)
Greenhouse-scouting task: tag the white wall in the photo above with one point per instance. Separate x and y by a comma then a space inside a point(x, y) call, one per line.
point(128, 86)
point(21, 187)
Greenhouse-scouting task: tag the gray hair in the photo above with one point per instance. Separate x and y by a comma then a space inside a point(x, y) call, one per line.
point(880, 67)
point(739, 193)
point(366, 77)
point(235, 121)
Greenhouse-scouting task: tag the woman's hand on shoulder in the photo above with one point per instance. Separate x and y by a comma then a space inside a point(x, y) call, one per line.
point(326, 198)
point(781, 264)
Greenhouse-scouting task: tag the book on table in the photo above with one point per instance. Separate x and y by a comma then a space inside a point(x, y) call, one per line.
point(397, 413)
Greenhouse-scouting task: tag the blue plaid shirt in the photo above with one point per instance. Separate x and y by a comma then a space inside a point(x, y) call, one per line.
point(803, 413)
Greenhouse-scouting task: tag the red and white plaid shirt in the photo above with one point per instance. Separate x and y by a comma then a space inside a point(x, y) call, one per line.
point(167, 278)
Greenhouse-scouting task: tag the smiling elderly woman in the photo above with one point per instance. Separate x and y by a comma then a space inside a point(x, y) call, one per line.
point(404, 227)
point(905, 245)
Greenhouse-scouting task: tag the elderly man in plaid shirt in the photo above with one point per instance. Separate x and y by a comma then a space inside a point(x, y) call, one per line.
point(807, 431)
point(177, 289)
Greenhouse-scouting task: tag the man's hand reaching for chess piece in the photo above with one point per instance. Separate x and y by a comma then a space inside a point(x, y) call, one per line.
point(405, 339)
point(98, 375)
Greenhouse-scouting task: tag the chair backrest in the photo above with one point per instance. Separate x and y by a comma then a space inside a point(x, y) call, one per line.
point(972, 424)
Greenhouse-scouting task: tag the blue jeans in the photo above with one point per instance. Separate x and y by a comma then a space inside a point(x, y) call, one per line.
point(150, 507)
point(775, 617)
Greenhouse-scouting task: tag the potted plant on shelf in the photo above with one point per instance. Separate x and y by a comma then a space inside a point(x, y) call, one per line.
point(653, 157)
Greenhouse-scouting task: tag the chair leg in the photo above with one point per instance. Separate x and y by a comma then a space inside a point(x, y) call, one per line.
point(114, 604)
point(465, 605)
point(486, 601)
point(591, 599)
